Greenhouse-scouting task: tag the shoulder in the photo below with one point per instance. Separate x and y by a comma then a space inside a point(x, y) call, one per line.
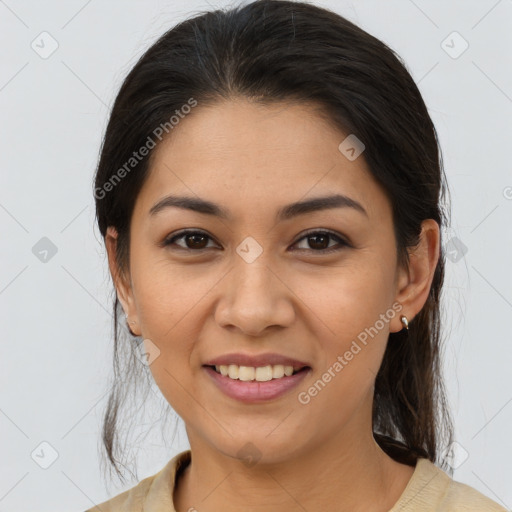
point(155, 489)
point(465, 498)
point(431, 489)
point(129, 500)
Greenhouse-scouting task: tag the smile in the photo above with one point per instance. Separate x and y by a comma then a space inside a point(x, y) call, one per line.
point(243, 383)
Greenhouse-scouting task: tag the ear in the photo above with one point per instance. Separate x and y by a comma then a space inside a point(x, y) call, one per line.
point(413, 284)
point(122, 282)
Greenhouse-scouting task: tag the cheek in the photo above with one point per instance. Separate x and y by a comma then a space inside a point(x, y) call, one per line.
point(167, 320)
point(167, 295)
point(167, 305)
point(356, 308)
point(350, 299)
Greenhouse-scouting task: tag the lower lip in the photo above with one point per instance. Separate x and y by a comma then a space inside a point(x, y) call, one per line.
point(253, 391)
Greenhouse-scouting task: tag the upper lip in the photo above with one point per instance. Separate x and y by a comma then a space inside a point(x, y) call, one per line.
point(256, 360)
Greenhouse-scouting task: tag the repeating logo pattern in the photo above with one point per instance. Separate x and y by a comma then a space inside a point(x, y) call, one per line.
point(39, 249)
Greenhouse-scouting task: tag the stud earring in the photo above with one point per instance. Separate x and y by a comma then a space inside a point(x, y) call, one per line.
point(405, 322)
point(128, 323)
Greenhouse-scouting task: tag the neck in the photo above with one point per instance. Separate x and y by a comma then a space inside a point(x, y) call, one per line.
point(347, 472)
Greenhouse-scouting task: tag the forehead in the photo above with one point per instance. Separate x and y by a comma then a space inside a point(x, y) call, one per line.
point(265, 154)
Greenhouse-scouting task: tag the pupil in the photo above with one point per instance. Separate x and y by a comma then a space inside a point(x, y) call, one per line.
point(320, 245)
point(195, 238)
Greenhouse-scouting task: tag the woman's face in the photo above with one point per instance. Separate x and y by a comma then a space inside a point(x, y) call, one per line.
point(253, 283)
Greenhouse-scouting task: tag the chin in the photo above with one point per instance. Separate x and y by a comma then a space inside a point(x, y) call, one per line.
point(252, 449)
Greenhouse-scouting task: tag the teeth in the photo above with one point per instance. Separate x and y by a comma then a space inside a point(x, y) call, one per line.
point(260, 374)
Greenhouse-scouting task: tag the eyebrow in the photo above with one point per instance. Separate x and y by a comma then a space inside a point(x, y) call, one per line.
point(286, 212)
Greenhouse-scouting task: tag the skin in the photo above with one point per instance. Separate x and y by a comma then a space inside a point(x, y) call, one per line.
point(252, 160)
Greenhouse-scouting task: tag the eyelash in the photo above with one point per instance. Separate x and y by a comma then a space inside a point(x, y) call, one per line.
point(170, 240)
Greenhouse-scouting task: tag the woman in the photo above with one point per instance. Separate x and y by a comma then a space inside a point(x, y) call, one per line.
point(269, 192)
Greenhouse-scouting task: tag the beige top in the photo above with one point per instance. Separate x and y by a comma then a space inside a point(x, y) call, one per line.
point(429, 489)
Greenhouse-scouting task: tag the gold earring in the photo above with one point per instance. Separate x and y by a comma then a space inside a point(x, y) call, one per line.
point(405, 322)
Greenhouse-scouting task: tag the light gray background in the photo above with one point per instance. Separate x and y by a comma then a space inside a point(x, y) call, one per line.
point(56, 323)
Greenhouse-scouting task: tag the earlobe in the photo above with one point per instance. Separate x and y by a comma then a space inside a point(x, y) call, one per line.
point(415, 282)
point(121, 281)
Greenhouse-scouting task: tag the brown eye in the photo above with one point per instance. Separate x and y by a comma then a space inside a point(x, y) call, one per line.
point(195, 241)
point(318, 241)
point(191, 240)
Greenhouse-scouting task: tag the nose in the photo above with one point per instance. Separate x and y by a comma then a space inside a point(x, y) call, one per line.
point(254, 298)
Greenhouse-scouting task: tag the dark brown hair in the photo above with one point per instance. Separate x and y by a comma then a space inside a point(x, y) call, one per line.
point(270, 51)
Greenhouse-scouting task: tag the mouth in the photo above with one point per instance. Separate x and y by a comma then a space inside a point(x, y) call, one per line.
point(245, 385)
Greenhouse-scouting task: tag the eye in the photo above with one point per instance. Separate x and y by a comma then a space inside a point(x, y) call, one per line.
point(194, 240)
point(320, 238)
point(198, 240)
